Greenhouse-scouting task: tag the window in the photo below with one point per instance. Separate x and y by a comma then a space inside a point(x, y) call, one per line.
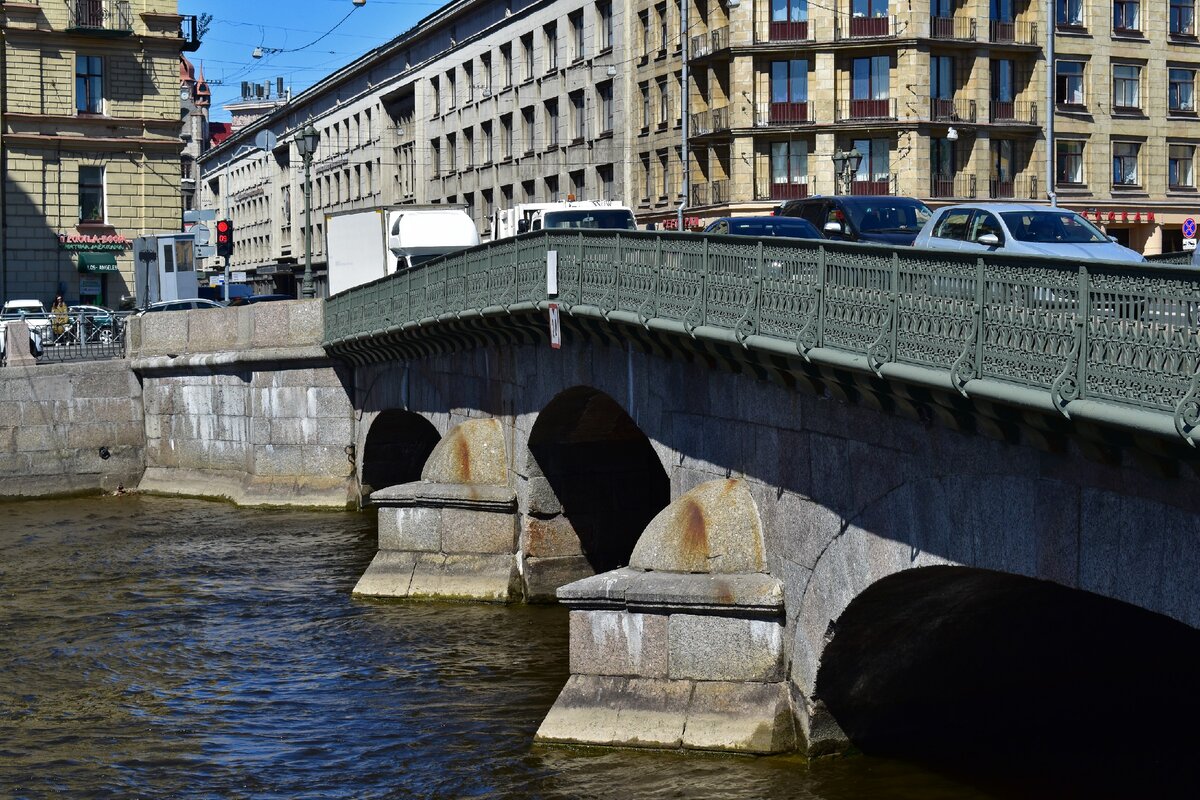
point(941, 77)
point(954, 224)
point(91, 194)
point(1069, 13)
point(506, 65)
point(1126, 80)
point(1182, 18)
point(1125, 163)
point(485, 133)
point(604, 176)
point(577, 184)
point(644, 21)
point(468, 148)
point(551, 123)
point(1068, 88)
point(451, 145)
point(1181, 95)
point(1180, 158)
point(664, 103)
point(451, 90)
point(89, 84)
point(1002, 81)
point(1001, 11)
point(1126, 17)
point(789, 10)
point(664, 174)
point(645, 175)
point(577, 42)
point(1001, 161)
point(552, 189)
point(506, 137)
point(1069, 157)
point(645, 87)
point(604, 25)
point(604, 107)
point(870, 78)
point(660, 13)
point(942, 160)
point(578, 117)
point(551, 36)
point(875, 164)
point(789, 81)
point(469, 80)
point(485, 69)
point(789, 162)
point(527, 124)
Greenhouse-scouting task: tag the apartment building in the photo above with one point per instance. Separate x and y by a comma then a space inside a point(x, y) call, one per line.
point(89, 141)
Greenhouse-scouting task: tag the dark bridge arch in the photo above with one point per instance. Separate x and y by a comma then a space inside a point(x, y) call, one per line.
point(1024, 680)
point(397, 444)
point(606, 479)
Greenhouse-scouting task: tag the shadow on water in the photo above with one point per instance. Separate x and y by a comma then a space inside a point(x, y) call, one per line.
point(165, 648)
point(1027, 685)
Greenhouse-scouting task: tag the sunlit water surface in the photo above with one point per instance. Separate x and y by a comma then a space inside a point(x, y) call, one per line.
point(175, 648)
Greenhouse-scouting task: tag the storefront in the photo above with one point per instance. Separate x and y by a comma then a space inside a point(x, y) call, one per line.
point(96, 260)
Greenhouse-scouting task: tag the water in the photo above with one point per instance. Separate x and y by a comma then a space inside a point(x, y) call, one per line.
point(175, 648)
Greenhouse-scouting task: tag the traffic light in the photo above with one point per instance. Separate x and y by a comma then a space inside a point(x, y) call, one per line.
point(225, 237)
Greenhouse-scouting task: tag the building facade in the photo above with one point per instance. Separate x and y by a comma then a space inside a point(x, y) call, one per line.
point(89, 142)
point(488, 103)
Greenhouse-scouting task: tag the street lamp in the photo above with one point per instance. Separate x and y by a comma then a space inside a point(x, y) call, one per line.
point(846, 166)
point(306, 143)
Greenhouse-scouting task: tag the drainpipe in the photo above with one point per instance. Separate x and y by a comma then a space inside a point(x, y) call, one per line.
point(1050, 77)
point(684, 113)
point(3, 167)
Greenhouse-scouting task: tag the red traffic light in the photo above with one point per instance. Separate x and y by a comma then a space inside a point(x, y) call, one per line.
point(224, 237)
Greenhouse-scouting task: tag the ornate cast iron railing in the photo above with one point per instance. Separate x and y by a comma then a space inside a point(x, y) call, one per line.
point(1116, 344)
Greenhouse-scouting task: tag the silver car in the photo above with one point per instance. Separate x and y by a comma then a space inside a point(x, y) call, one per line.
point(1016, 229)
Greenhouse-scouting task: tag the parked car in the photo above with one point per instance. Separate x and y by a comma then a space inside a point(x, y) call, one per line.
point(764, 226)
point(32, 312)
point(190, 304)
point(1017, 228)
point(94, 323)
point(881, 219)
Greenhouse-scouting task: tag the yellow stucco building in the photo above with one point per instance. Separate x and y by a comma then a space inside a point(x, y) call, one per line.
point(89, 141)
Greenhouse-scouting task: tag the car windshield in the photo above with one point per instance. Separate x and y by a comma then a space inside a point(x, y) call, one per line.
point(608, 219)
point(1052, 227)
point(773, 226)
point(887, 214)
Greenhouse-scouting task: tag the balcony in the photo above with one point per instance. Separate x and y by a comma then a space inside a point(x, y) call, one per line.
point(711, 193)
point(706, 44)
point(189, 31)
point(855, 110)
point(952, 29)
point(100, 18)
point(712, 121)
point(720, 192)
point(1020, 187)
point(951, 109)
point(778, 114)
point(877, 185)
point(699, 195)
point(863, 27)
point(1011, 32)
point(782, 190)
point(953, 186)
point(1013, 112)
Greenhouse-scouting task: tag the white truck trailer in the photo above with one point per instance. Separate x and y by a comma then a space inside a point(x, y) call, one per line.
point(573, 214)
point(363, 245)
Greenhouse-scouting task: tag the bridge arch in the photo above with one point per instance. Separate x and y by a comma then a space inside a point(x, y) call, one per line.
point(595, 482)
point(395, 449)
point(1022, 678)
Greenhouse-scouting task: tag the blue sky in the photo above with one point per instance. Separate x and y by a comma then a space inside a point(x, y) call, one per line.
point(240, 25)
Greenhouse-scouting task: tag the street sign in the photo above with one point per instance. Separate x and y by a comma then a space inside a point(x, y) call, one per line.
point(206, 251)
point(1189, 244)
point(200, 215)
point(551, 272)
point(237, 277)
point(555, 327)
point(202, 233)
point(1189, 228)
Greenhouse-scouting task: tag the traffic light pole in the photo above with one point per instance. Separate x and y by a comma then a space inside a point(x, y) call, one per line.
point(226, 282)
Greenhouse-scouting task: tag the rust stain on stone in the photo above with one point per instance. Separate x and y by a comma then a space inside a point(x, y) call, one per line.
point(695, 529)
point(723, 591)
point(462, 458)
point(730, 485)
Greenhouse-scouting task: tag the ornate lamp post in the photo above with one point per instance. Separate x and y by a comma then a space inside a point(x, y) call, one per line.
point(846, 166)
point(306, 143)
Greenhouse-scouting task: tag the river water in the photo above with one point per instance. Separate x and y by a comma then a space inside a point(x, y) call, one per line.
point(154, 647)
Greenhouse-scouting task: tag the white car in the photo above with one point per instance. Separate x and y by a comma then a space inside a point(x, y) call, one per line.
point(1020, 229)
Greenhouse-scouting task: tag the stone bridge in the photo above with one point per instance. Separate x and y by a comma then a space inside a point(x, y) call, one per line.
point(797, 495)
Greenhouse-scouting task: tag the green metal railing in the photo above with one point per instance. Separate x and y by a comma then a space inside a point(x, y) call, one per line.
point(1112, 343)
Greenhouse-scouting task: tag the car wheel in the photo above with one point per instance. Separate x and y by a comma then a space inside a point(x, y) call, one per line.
point(106, 336)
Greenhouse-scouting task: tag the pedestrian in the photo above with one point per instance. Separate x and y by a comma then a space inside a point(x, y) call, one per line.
point(59, 316)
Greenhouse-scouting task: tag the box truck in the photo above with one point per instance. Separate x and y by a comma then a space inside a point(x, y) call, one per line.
point(363, 245)
point(572, 214)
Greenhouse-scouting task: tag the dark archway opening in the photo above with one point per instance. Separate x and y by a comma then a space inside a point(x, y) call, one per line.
point(397, 446)
point(1017, 683)
point(602, 469)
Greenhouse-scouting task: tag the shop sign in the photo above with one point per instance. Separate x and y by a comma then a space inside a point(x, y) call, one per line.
point(74, 242)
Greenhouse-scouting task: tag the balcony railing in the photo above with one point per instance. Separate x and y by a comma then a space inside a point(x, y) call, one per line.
point(101, 17)
point(960, 186)
point(189, 31)
point(1013, 112)
point(952, 28)
point(767, 189)
point(951, 109)
point(705, 44)
point(876, 185)
point(720, 192)
point(711, 193)
point(791, 113)
point(850, 110)
point(1001, 32)
point(710, 121)
point(1020, 187)
point(698, 195)
point(863, 27)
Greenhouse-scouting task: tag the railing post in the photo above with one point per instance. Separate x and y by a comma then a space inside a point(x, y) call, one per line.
point(704, 285)
point(980, 298)
point(820, 292)
point(1085, 316)
point(657, 273)
point(893, 305)
point(579, 261)
point(758, 279)
point(487, 284)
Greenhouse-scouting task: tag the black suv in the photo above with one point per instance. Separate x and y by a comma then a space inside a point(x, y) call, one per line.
point(881, 219)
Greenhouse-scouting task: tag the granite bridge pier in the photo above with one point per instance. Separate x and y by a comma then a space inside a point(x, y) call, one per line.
point(795, 496)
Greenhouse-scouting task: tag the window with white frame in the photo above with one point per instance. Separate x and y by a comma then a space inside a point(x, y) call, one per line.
point(1127, 80)
point(91, 194)
point(1125, 163)
point(1068, 86)
point(1180, 166)
point(1069, 162)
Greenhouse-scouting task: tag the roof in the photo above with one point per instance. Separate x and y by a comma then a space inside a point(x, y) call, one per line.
point(219, 132)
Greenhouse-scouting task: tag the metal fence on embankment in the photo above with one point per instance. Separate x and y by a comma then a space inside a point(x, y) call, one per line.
point(1113, 343)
